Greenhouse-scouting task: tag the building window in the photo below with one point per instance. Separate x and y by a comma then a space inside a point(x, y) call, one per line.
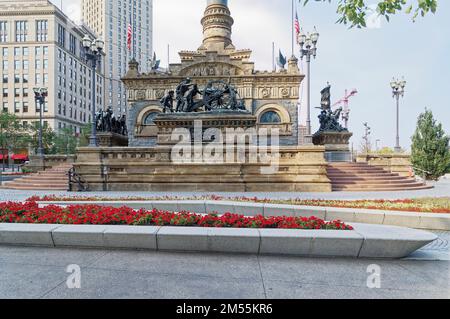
point(149, 119)
point(61, 36)
point(21, 31)
point(41, 30)
point(5, 92)
point(3, 31)
point(5, 107)
point(25, 107)
point(16, 107)
point(270, 117)
point(5, 78)
point(73, 44)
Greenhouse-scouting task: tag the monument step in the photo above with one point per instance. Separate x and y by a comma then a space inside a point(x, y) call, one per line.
point(356, 171)
point(365, 178)
point(51, 179)
point(380, 189)
point(362, 175)
point(375, 182)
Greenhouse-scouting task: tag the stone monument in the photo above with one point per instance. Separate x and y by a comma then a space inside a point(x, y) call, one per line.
point(331, 134)
point(178, 118)
point(272, 97)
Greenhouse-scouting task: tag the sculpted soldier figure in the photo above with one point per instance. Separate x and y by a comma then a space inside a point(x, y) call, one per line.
point(181, 91)
point(167, 102)
point(329, 119)
point(190, 103)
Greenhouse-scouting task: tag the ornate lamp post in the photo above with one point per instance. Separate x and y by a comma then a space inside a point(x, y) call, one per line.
point(39, 95)
point(398, 90)
point(308, 48)
point(93, 52)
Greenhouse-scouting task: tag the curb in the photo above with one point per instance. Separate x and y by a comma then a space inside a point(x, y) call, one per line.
point(366, 241)
point(415, 220)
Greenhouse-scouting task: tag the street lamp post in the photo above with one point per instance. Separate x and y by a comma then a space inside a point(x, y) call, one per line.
point(398, 90)
point(93, 52)
point(39, 95)
point(368, 131)
point(308, 48)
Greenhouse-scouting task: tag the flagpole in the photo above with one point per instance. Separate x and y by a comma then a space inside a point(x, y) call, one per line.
point(168, 58)
point(292, 27)
point(274, 68)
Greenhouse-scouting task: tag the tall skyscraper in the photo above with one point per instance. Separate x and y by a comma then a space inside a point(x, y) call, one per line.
point(41, 47)
point(111, 20)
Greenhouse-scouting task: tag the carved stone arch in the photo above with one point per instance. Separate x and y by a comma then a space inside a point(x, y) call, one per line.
point(146, 130)
point(284, 125)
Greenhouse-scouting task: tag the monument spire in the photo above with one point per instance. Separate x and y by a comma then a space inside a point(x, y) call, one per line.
point(217, 25)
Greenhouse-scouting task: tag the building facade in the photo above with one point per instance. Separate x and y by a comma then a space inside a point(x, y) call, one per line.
point(110, 19)
point(271, 96)
point(41, 47)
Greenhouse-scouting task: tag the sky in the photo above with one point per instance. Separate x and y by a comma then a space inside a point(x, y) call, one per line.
point(365, 59)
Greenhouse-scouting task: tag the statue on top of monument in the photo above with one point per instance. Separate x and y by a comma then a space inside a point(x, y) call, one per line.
point(329, 119)
point(217, 95)
point(167, 102)
point(181, 91)
point(326, 98)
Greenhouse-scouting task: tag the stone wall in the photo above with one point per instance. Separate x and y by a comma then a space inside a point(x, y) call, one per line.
point(395, 163)
point(301, 169)
point(36, 164)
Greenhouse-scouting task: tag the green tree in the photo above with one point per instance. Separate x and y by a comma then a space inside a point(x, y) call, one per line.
point(12, 134)
point(430, 154)
point(354, 12)
point(65, 142)
point(84, 136)
point(48, 137)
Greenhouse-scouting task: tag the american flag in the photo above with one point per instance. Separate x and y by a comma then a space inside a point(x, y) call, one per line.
point(129, 36)
point(297, 25)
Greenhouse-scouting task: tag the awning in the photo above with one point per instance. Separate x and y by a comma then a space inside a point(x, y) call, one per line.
point(20, 157)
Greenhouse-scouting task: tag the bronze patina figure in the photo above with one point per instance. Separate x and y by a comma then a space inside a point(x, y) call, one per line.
point(167, 102)
point(329, 119)
point(217, 95)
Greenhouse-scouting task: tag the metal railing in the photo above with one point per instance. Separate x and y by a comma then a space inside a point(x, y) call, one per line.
point(77, 179)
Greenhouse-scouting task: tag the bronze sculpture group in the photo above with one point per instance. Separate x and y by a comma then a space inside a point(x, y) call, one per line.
point(329, 119)
point(107, 122)
point(217, 95)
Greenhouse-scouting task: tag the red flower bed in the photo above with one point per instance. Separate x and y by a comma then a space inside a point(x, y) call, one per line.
point(30, 212)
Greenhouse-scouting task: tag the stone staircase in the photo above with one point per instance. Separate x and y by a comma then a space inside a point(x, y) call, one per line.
point(55, 179)
point(361, 177)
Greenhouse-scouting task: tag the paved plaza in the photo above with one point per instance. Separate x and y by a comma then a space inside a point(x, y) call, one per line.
point(441, 189)
point(27, 272)
point(41, 273)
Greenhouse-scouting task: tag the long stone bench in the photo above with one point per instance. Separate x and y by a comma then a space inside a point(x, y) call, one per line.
point(365, 241)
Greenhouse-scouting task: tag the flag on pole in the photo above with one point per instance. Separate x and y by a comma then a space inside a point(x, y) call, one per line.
point(281, 60)
point(297, 26)
point(129, 36)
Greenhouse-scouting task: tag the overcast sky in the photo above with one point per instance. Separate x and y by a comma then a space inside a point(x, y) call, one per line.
point(363, 59)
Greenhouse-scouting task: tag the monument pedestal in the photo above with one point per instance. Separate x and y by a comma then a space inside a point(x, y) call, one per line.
point(111, 139)
point(208, 124)
point(336, 144)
